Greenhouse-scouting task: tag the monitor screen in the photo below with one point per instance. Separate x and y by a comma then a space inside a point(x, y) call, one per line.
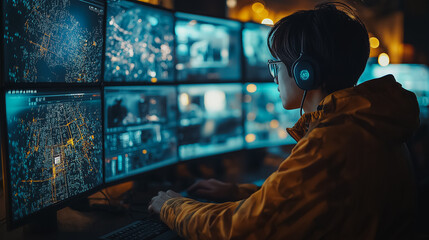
point(266, 120)
point(210, 119)
point(53, 41)
point(139, 43)
point(140, 132)
point(256, 51)
point(55, 147)
point(207, 48)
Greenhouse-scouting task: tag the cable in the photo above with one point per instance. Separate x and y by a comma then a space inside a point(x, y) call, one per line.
point(107, 198)
point(302, 102)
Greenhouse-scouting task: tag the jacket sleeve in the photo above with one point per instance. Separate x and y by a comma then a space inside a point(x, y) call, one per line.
point(279, 200)
point(246, 189)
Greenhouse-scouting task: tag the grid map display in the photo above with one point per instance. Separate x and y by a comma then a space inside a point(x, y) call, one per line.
point(139, 43)
point(55, 147)
point(53, 41)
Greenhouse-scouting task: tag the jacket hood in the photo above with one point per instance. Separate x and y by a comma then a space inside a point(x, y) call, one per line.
point(380, 105)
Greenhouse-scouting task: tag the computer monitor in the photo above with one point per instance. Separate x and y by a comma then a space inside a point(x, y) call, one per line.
point(139, 43)
point(210, 119)
point(53, 41)
point(207, 48)
point(54, 149)
point(140, 132)
point(256, 52)
point(265, 118)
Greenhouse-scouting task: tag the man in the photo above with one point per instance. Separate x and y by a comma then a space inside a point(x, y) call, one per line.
point(348, 177)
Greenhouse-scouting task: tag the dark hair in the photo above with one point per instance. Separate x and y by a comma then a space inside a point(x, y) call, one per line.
point(336, 39)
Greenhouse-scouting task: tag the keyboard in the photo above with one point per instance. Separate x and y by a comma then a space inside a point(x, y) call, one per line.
point(144, 229)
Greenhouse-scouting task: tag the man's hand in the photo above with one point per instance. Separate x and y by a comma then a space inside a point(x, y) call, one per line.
point(214, 190)
point(156, 203)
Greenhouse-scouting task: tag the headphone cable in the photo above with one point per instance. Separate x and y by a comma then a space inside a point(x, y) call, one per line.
point(302, 102)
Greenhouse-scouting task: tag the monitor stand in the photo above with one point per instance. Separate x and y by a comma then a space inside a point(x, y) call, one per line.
point(46, 223)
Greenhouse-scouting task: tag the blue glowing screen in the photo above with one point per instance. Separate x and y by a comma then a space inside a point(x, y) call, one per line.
point(55, 147)
point(140, 132)
point(53, 41)
point(210, 119)
point(139, 43)
point(207, 48)
point(256, 51)
point(266, 120)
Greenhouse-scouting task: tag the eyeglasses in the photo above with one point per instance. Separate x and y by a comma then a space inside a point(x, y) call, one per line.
point(273, 67)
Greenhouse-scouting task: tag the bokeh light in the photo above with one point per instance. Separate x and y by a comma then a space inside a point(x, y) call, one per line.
point(383, 59)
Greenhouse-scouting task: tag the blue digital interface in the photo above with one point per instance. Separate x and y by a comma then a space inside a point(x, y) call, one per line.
point(266, 120)
point(256, 51)
point(53, 41)
point(141, 129)
point(55, 147)
point(139, 43)
point(207, 48)
point(210, 119)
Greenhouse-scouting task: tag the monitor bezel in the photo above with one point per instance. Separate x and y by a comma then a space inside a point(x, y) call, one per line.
point(12, 224)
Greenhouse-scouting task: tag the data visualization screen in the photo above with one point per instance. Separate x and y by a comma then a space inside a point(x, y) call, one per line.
point(266, 120)
point(256, 51)
point(141, 129)
point(53, 41)
point(55, 147)
point(210, 119)
point(207, 48)
point(139, 43)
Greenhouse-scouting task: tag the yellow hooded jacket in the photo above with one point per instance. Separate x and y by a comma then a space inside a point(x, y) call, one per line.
point(348, 177)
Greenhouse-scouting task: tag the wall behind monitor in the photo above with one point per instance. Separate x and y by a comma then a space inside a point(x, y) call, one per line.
point(210, 8)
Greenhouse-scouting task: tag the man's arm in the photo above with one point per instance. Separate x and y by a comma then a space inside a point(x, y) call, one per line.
point(291, 197)
point(215, 190)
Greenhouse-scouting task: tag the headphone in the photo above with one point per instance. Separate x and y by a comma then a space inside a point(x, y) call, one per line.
point(305, 70)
